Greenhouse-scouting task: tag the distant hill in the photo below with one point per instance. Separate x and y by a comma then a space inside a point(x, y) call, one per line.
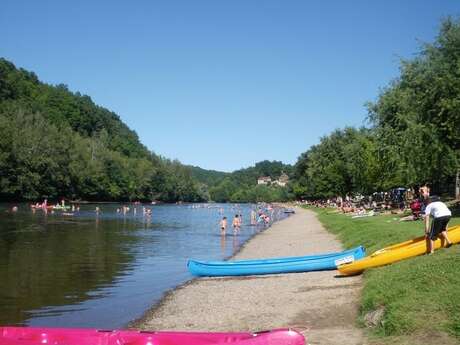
point(266, 168)
point(55, 143)
point(59, 106)
point(241, 185)
point(207, 177)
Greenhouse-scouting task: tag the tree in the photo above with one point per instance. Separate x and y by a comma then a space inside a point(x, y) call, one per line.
point(342, 163)
point(417, 118)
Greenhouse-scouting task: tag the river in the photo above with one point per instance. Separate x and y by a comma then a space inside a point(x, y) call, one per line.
point(83, 269)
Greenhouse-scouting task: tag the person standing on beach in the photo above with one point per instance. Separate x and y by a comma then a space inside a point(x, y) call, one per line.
point(441, 216)
point(223, 226)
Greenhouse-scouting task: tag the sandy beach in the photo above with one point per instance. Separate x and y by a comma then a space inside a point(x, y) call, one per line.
point(320, 305)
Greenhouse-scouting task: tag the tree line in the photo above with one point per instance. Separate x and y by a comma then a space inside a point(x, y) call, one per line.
point(413, 137)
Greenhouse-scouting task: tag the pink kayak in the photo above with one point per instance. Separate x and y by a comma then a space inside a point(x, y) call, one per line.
point(69, 336)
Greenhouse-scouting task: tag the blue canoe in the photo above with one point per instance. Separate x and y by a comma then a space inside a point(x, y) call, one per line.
point(275, 265)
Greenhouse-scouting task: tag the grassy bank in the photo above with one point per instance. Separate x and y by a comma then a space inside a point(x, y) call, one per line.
point(419, 298)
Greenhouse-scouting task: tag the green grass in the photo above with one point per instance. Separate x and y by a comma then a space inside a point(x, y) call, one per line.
point(419, 295)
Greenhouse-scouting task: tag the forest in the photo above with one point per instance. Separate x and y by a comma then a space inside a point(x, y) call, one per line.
point(413, 137)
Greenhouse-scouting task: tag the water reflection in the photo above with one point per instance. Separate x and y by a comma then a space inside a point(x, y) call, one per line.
point(222, 245)
point(235, 242)
point(55, 261)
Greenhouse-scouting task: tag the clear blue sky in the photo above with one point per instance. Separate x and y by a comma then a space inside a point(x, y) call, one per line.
point(222, 84)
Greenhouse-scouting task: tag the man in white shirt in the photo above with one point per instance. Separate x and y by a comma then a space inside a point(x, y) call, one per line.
point(441, 216)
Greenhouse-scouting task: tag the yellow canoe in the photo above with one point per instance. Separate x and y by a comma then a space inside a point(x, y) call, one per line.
point(396, 252)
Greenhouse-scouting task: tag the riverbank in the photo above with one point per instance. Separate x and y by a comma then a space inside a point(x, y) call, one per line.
point(317, 303)
point(411, 302)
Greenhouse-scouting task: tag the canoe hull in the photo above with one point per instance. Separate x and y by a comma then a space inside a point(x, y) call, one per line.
point(67, 336)
point(396, 252)
point(274, 265)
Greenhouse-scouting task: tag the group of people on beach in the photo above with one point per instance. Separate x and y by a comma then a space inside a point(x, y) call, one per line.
point(422, 205)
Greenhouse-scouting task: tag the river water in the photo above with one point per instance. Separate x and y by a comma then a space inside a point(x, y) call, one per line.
point(105, 270)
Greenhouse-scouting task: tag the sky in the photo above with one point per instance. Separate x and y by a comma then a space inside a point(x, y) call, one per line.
point(223, 84)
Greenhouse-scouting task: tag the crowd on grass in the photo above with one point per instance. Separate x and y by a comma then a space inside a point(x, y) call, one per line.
point(422, 205)
point(396, 201)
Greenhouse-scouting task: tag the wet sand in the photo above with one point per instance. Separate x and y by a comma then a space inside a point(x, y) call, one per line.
point(320, 305)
